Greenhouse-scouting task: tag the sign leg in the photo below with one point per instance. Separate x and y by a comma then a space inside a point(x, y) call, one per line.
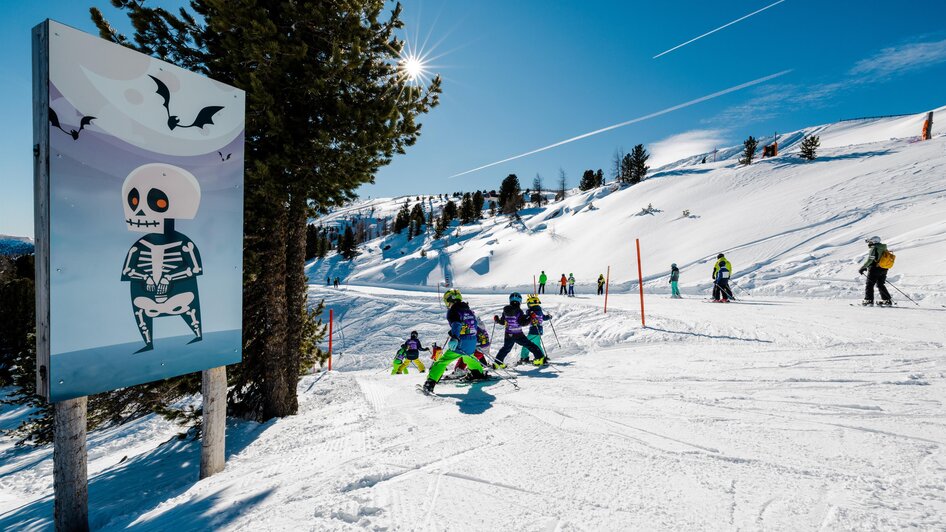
point(212, 443)
point(70, 466)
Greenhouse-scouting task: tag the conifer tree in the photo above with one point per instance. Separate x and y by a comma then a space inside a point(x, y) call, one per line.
point(599, 178)
point(588, 180)
point(627, 170)
point(749, 153)
point(510, 194)
point(478, 201)
point(809, 147)
point(639, 166)
point(562, 185)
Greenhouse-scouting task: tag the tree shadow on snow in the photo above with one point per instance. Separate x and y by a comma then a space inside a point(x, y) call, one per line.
point(121, 494)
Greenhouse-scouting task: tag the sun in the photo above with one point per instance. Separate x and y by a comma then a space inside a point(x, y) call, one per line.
point(413, 68)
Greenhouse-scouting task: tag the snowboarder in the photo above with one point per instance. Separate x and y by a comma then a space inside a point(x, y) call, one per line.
point(571, 285)
point(674, 279)
point(722, 271)
point(412, 348)
point(600, 284)
point(564, 289)
point(462, 342)
point(537, 318)
point(542, 280)
point(514, 318)
point(876, 266)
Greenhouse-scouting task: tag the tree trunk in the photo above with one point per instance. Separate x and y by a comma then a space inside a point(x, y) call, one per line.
point(276, 401)
point(296, 291)
point(213, 440)
point(70, 467)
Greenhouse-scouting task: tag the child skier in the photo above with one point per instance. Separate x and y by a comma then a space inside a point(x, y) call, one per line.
point(721, 274)
point(674, 279)
point(514, 319)
point(482, 347)
point(571, 285)
point(600, 284)
point(412, 348)
point(537, 319)
point(462, 342)
point(399, 366)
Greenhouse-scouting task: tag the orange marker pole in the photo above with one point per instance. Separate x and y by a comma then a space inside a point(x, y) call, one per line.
point(607, 284)
point(330, 319)
point(640, 280)
point(535, 288)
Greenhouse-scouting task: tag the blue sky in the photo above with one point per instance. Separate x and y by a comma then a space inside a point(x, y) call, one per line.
point(525, 74)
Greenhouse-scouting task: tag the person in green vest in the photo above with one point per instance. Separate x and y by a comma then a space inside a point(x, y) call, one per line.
point(542, 280)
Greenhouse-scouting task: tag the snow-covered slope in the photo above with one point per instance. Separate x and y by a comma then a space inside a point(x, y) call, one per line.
point(789, 226)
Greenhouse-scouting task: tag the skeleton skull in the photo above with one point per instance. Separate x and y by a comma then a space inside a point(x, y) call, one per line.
point(153, 193)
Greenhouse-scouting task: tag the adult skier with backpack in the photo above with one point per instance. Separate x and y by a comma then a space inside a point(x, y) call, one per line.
point(537, 318)
point(879, 260)
point(674, 279)
point(722, 271)
point(462, 342)
point(515, 319)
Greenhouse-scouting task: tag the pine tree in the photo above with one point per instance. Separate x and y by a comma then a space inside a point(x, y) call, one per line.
point(417, 216)
point(334, 64)
point(588, 180)
point(749, 153)
point(639, 166)
point(627, 170)
point(403, 219)
point(311, 242)
point(492, 208)
point(809, 147)
point(616, 164)
point(346, 246)
point(467, 211)
point(478, 202)
point(599, 178)
point(510, 194)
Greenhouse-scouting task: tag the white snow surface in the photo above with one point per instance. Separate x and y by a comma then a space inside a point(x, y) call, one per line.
point(789, 227)
point(767, 414)
point(786, 410)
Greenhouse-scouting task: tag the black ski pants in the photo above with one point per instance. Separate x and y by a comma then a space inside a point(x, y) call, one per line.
point(600, 289)
point(541, 288)
point(521, 339)
point(563, 291)
point(721, 290)
point(876, 276)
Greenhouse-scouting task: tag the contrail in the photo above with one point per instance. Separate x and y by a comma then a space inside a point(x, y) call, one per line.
point(629, 122)
point(719, 28)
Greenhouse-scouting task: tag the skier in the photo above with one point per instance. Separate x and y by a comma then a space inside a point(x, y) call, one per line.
point(412, 348)
point(674, 279)
point(399, 366)
point(564, 289)
point(462, 342)
point(876, 266)
point(336, 282)
point(328, 281)
point(600, 284)
point(542, 280)
point(571, 285)
point(513, 318)
point(722, 271)
point(537, 318)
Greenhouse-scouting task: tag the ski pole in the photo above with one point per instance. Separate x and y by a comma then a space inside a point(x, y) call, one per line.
point(740, 289)
point(901, 292)
point(555, 333)
point(508, 375)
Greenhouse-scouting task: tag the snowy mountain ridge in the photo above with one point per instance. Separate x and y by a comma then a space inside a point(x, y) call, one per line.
point(789, 226)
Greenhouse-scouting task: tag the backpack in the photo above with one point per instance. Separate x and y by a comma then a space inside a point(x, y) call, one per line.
point(886, 260)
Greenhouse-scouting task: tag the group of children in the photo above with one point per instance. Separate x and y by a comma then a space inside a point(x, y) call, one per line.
point(469, 342)
point(722, 271)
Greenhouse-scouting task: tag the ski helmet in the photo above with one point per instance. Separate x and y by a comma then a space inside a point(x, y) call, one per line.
point(720, 256)
point(533, 300)
point(873, 240)
point(413, 335)
point(673, 266)
point(452, 296)
point(515, 297)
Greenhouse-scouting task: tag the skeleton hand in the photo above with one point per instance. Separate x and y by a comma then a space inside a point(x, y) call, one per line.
point(163, 287)
point(149, 285)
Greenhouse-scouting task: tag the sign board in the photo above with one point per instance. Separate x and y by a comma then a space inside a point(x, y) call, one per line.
point(139, 216)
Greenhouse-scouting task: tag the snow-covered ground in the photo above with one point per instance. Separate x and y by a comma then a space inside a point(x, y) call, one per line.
point(771, 413)
point(790, 227)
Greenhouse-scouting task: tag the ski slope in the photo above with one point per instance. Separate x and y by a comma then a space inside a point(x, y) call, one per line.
point(790, 227)
point(770, 414)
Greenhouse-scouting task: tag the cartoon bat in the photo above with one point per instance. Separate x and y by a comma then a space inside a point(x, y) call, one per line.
point(54, 120)
point(222, 158)
point(204, 117)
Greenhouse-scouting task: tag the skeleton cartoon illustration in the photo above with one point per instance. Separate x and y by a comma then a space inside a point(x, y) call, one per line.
point(163, 265)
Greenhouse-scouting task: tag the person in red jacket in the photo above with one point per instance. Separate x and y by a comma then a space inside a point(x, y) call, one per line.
point(563, 291)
